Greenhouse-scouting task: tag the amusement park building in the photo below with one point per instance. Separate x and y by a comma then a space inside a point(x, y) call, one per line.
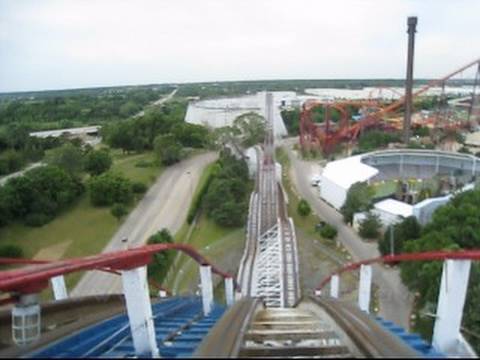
point(338, 176)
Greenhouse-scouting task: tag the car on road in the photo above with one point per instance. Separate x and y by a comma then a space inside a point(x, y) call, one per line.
point(316, 180)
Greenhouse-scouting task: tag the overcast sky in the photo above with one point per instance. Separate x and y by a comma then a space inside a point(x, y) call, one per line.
point(55, 44)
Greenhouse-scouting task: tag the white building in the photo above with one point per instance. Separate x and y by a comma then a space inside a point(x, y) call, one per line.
point(222, 112)
point(74, 132)
point(338, 176)
point(391, 211)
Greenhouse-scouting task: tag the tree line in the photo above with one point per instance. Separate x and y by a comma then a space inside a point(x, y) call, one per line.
point(63, 111)
point(162, 130)
point(226, 198)
point(454, 226)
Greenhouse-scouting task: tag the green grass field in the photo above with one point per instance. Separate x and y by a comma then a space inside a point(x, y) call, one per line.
point(384, 188)
point(212, 240)
point(84, 228)
point(307, 223)
point(318, 256)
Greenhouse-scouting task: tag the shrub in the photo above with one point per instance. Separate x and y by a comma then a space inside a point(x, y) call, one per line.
point(167, 150)
point(328, 231)
point(304, 208)
point(374, 139)
point(109, 188)
point(11, 161)
point(197, 200)
point(359, 198)
point(37, 219)
point(464, 150)
point(226, 198)
point(139, 187)
point(97, 162)
point(67, 157)
point(408, 229)
point(38, 195)
point(119, 210)
point(143, 164)
point(11, 251)
point(370, 227)
point(162, 260)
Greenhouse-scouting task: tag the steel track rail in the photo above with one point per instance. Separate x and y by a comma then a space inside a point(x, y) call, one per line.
point(225, 339)
point(364, 331)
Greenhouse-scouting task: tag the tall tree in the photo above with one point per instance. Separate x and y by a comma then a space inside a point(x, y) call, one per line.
point(359, 198)
point(167, 150)
point(67, 157)
point(97, 162)
point(109, 188)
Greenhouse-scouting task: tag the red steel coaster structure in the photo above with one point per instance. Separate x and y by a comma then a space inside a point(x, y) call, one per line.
point(327, 135)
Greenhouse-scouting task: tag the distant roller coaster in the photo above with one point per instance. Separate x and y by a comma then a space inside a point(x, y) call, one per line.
point(327, 135)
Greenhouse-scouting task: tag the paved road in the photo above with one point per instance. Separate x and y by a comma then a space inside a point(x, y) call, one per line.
point(165, 205)
point(395, 300)
point(157, 102)
point(5, 178)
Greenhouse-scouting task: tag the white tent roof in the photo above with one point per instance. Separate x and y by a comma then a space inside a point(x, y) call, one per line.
point(395, 207)
point(346, 172)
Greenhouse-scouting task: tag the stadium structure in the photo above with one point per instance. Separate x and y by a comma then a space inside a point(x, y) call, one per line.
point(398, 165)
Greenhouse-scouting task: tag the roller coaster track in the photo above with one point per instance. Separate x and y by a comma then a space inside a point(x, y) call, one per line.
point(269, 267)
point(311, 134)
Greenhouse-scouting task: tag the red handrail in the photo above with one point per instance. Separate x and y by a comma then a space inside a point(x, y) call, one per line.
point(34, 278)
point(23, 261)
point(423, 256)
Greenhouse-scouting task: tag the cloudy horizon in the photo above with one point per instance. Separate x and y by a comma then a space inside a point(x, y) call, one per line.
point(53, 44)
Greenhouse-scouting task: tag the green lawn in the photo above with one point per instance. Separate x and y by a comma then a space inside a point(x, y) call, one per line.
point(81, 229)
point(384, 188)
point(389, 187)
point(126, 165)
point(86, 228)
point(307, 223)
point(212, 240)
point(318, 256)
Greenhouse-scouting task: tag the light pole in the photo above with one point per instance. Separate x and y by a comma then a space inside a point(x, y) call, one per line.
point(190, 185)
point(392, 249)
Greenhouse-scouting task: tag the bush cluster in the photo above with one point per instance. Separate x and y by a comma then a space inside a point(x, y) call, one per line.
point(304, 208)
point(226, 201)
point(109, 188)
point(37, 196)
point(11, 251)
point(328, 231)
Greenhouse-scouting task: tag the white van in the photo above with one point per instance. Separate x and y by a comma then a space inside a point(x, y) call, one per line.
point(316, 180)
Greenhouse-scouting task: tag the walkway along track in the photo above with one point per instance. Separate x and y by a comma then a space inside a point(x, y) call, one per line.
point(269, 266)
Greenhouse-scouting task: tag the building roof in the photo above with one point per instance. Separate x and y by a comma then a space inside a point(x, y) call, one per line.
point(348, 171)
point(72, 131)
point(473, 139)
point(395, 207)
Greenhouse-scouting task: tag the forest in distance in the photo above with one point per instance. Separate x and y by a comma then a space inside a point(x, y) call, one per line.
point(229, 88)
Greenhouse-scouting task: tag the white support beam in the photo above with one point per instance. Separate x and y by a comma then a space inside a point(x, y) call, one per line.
point(59, 288)
point(207, 288)
point(365, 287)
point(229, 299)
point(139, 309)
point(451, 299)
point(334, 286)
